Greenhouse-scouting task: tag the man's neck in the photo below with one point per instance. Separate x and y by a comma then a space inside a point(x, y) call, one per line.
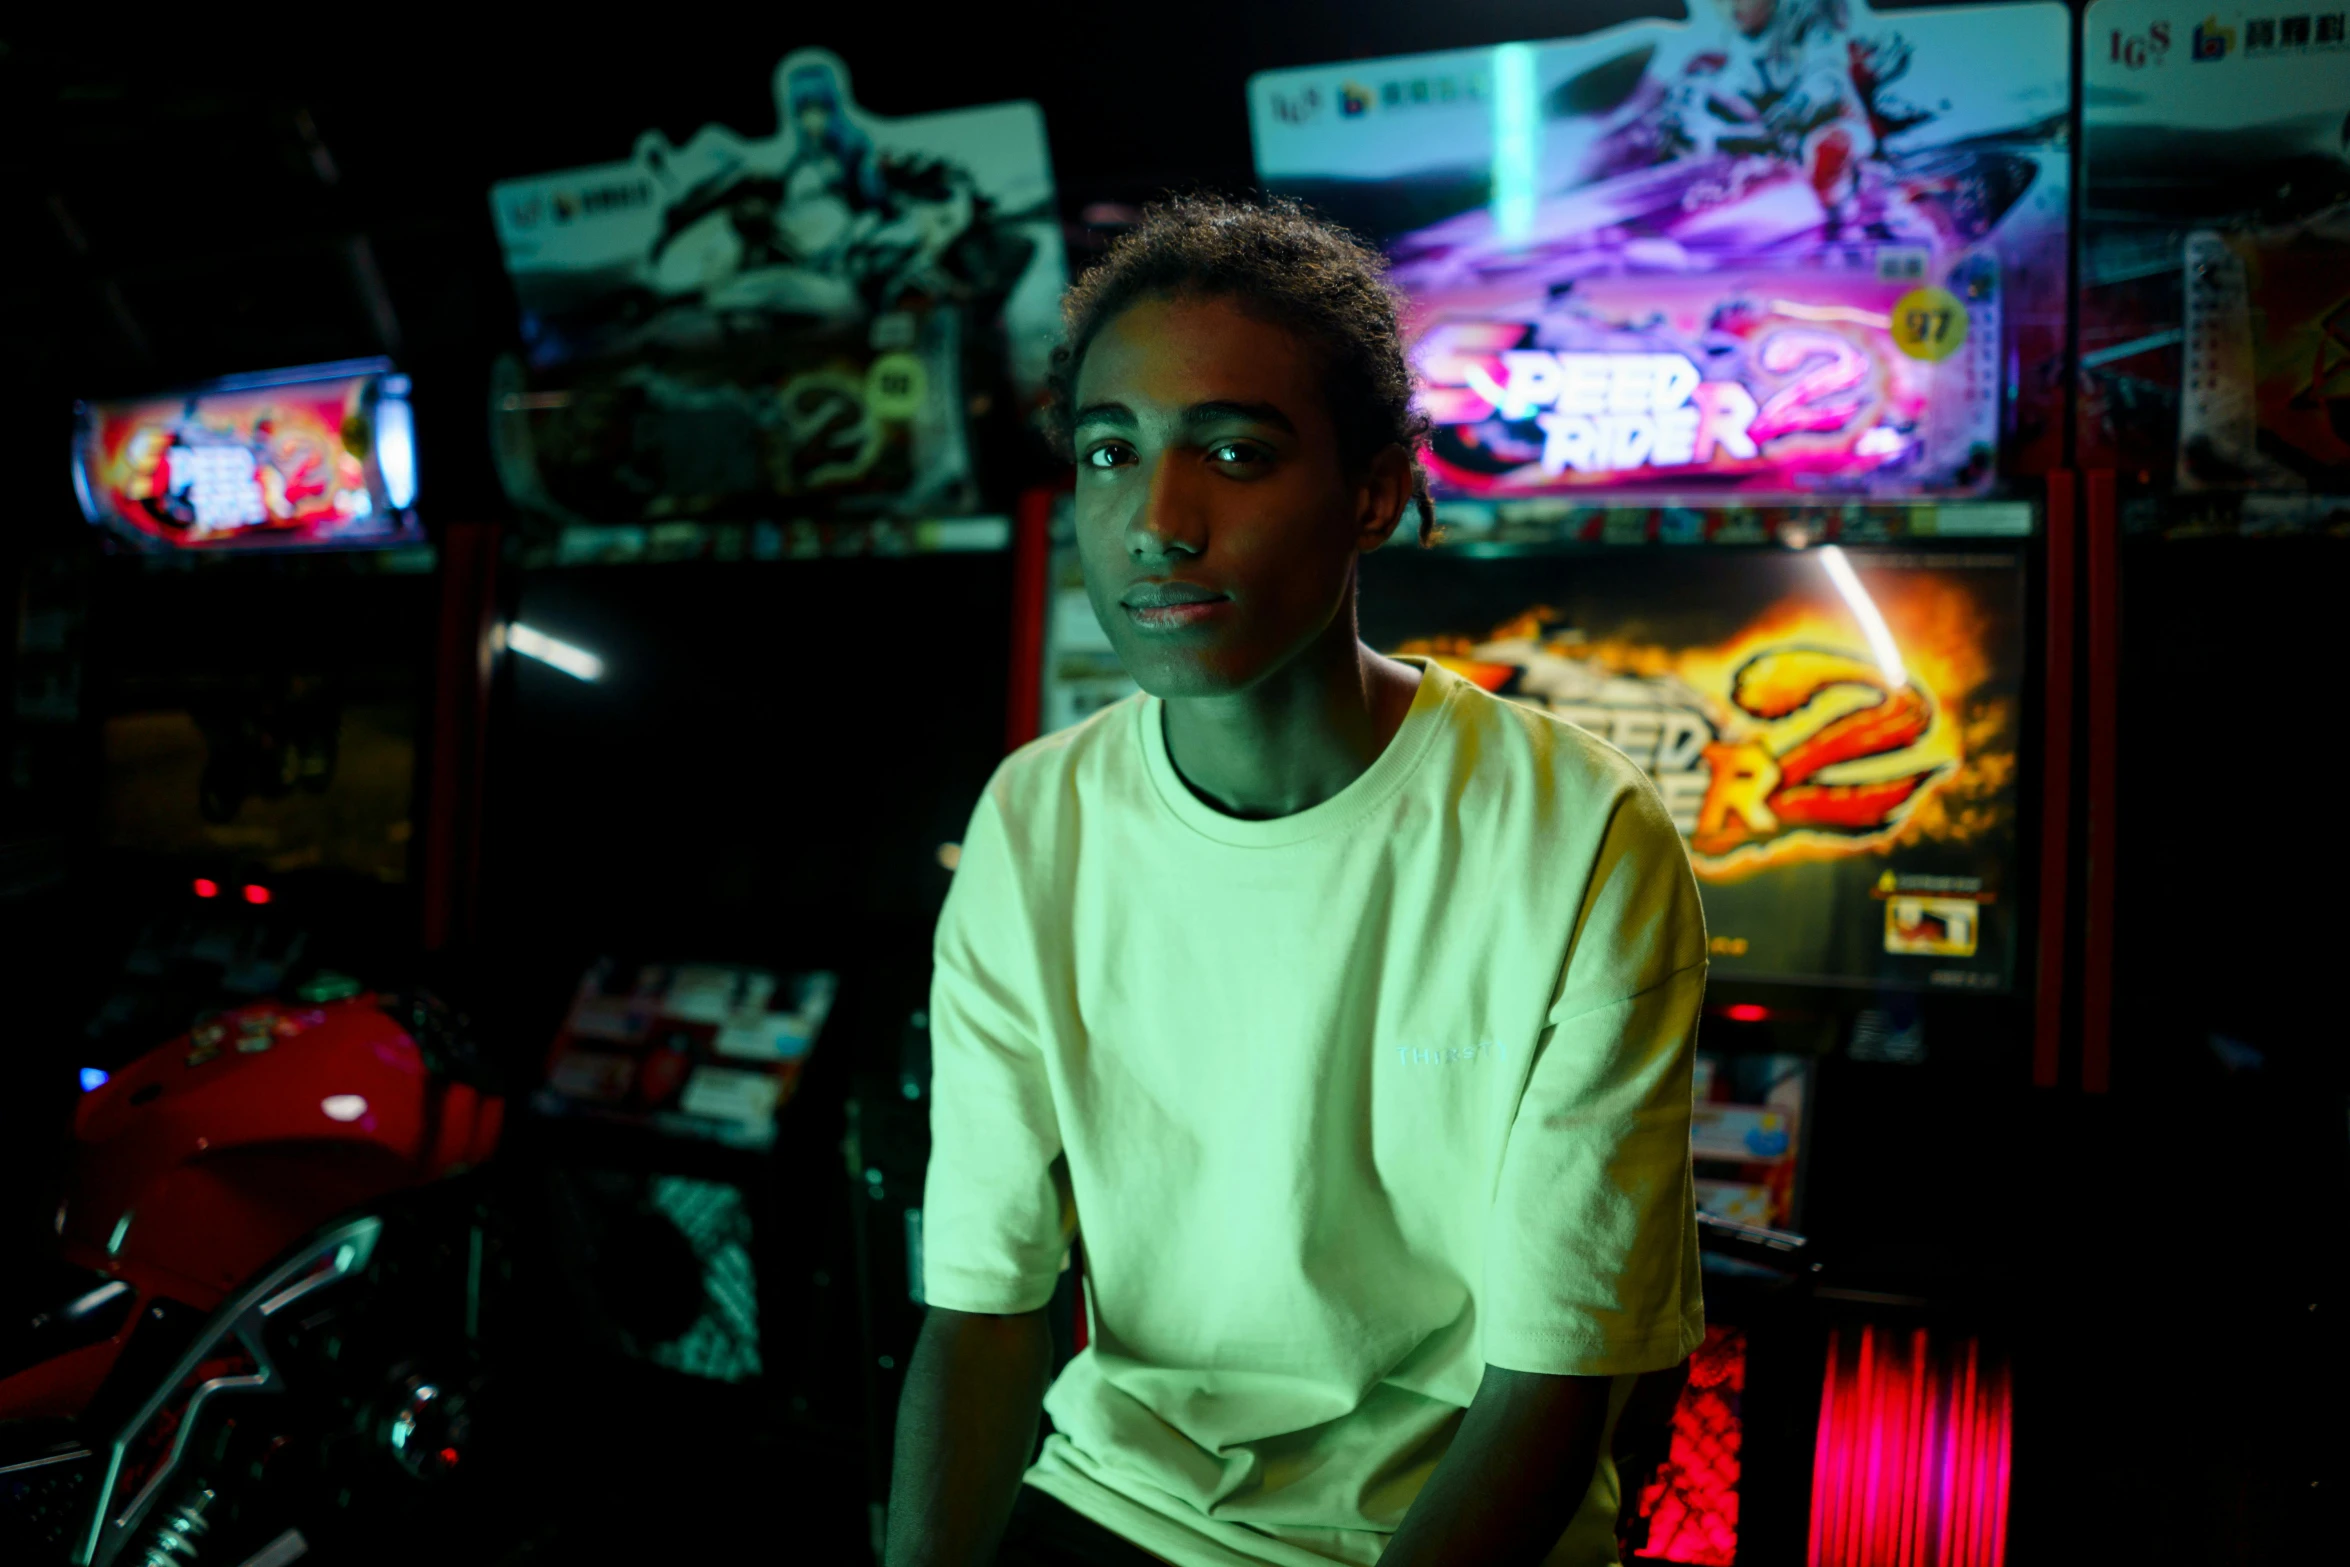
point(1298, 736)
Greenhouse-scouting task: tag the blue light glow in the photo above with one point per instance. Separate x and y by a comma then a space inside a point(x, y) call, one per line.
point(93, 1079)
point(1517, 142)
point(81, 479)
point(395, 448)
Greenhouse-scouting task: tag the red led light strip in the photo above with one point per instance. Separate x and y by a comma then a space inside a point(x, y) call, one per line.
point(1911, 1469)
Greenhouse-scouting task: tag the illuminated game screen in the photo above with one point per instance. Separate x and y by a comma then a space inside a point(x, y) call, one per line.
point(1791, 247)
point(313, 458)
point(1835, 734)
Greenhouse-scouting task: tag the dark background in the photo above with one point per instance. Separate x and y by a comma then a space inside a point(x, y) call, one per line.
point(183, 197)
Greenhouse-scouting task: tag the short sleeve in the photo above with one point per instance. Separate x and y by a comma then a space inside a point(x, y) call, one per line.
point(994, 1214)
point(1591, 1258)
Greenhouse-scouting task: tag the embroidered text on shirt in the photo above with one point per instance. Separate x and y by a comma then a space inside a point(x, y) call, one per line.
point(1422, 1055)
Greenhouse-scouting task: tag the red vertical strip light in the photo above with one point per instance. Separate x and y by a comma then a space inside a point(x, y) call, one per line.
point(1032, 556)
point(2103, 570)
point(2056, 783)
point(451, 830)
point(1827, 1480)
point(1911, 1464)
point(2004, 1425)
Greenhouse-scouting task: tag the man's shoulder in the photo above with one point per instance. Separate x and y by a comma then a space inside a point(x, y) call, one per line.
point(1049, 771)
point(1572, 765)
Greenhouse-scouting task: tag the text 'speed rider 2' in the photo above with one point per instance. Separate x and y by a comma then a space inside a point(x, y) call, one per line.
point(1787, 246)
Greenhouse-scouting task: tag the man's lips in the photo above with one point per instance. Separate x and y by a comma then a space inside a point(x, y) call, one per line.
point(1172, 605)
point(1167, 593)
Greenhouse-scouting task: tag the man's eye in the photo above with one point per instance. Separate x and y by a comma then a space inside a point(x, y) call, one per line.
point(1236, 452)
point(1110, 455)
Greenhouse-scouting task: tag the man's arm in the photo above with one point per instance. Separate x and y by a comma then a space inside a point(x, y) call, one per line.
point(966, 1430)
point(1517, 1470)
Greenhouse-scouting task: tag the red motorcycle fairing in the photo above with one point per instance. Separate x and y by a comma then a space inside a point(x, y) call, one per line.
point(203, 1161)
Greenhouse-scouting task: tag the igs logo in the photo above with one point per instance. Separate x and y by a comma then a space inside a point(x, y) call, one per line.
point(1297, 108)
point(2136, 51)
point(2210, 41)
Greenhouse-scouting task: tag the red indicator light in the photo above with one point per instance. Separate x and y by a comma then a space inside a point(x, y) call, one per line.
point(1747, 1012)
point(206, 887)
point(448, 1458)
point(256, 894)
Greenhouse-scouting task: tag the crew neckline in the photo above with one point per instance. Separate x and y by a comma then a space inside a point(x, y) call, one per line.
point(1439, 688)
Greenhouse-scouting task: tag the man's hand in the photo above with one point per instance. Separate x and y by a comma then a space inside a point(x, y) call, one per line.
point(1518, 1468)
point(966, 1430)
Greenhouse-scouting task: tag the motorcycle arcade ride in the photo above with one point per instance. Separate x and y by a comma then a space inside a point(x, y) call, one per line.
point(268, 1306)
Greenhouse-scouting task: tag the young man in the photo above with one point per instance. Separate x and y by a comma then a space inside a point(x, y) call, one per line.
point(1345, 1009)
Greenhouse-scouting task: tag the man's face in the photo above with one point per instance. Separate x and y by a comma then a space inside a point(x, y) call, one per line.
point(1207, 461)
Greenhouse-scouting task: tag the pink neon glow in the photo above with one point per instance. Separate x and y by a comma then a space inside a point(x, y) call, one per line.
point(1803, 381)
point(1911, 1465)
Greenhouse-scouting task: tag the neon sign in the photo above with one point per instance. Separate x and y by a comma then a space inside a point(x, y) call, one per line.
point(1759, 382)
point(1617, 412)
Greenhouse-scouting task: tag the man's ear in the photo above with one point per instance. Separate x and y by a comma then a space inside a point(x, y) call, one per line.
point(1386, 490)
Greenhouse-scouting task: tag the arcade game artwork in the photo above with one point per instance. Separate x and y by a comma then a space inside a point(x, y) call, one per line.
point(318, 457)
point(2215, 276)
point(740, 327)
point(1785, 247)
point(1834, 734)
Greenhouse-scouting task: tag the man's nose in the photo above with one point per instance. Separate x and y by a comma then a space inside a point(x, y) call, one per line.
point(1171, 519)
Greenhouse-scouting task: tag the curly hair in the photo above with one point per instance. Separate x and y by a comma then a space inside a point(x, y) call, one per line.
point(1276, 260)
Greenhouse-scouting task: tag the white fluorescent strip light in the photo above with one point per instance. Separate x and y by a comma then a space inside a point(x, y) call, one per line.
point(1864, 609)
point(1517, 142)
point(576, 662)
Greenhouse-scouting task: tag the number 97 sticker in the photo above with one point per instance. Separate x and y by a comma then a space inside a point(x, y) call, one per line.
point(1929, 323)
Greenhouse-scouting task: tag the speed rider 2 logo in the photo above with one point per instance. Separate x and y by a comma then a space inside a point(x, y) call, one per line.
point(1772, 747)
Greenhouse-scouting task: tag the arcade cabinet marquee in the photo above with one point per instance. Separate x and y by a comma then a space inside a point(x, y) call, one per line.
point(322, 456)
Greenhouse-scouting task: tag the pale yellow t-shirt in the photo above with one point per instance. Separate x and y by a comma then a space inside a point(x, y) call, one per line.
point(1347, 1105)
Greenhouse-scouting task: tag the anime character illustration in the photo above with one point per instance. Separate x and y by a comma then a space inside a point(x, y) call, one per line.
point(1790, 134)
point(716, 325)
point(823, 226)
point(1769, 201)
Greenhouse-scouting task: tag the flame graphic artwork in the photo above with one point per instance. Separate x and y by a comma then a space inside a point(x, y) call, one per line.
point(1787, 742)
point(1756, 794)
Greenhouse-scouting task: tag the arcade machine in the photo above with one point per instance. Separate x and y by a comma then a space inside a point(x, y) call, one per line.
point(261, 686)
point(1742, 337)
point(276, 684)
point(2214, 435)
point(760, 427)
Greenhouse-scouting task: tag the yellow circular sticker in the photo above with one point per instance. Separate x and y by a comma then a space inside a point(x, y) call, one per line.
point(895, 386)
point(1929, 323)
